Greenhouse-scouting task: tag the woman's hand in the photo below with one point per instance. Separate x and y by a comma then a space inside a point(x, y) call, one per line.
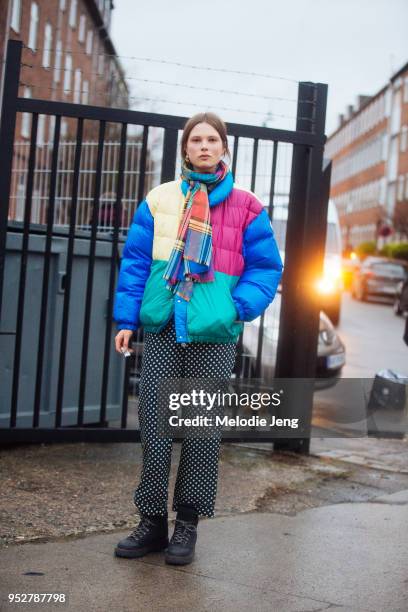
point(122, 340)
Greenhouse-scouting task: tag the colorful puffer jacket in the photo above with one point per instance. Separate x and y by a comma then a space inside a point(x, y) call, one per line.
point(247, 266)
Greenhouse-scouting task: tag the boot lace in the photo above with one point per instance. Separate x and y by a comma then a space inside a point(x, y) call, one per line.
point(142, 529)
point(182, 532)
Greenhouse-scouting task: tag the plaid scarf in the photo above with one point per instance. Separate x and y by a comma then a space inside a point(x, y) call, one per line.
point(191, 258)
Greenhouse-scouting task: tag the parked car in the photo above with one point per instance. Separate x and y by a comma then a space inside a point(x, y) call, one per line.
point(401, 298)
point(330, 286)
point(331, 352)
point(378, 276)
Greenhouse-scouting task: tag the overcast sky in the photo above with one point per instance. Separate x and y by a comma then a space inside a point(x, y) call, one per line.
point(352, 45)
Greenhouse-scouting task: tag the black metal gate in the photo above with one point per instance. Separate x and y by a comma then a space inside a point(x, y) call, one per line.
point(304, 248)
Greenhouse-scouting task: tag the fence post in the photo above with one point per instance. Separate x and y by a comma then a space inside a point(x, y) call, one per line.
point(304, 252)
point(168, 168)
point(7, 128)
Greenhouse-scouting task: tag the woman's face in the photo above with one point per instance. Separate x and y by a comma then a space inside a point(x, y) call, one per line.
point(204, 147)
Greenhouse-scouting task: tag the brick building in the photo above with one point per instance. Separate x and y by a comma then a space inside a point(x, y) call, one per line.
point(369, 151)
point(70, 57)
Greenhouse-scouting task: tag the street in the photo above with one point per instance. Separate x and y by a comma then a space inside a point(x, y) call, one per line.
point(372, 334)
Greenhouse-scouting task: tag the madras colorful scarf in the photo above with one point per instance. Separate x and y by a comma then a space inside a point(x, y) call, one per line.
point(191, 258)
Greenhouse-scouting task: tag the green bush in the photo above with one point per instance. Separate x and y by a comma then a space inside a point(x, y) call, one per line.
point(386, 250)
point(399, 250)
point(366, 248)
point(396, 250)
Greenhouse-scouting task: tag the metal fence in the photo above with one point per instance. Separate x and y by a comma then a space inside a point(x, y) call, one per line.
point(86, 180)
point(85, 193)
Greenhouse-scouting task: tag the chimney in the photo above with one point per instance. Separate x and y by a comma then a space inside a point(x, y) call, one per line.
point(350, 111)
point(341, 119)
point(362, 101)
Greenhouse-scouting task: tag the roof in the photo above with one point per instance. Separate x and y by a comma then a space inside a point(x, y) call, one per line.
point(393, 78)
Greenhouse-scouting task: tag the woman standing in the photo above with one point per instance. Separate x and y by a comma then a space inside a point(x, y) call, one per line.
point(199, 260)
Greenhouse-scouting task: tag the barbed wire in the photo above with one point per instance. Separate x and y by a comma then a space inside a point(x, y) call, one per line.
point(146, 99)
point(169, 62)
point(187, 86)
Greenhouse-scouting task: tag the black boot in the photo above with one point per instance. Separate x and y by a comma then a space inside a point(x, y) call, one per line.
point(182, 544)
point(151, 535)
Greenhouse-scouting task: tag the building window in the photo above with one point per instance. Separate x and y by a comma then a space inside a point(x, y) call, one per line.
point(73, 13)
point(77, 86)
point(32, 35)
point(57, 65)
point(16, 15)
point(64, 128)
point(46, 61)
point(383, 190)
point(81, 29)
point(51, 128)
point(85, 92)
point(406, 89)
point(67, 74)
point(393, 160)
point(403, 138)
point(101, 63)
point(40, 130)
point(384, 147)
point(400, 194)
point(396, 113)
point(406, 186)
point(89, 42)
point(26, 117)
point(63, 5)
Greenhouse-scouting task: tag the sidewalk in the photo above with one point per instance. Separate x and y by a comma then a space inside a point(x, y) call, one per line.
point(325, 531)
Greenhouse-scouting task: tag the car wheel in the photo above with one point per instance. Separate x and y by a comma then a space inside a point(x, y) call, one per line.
point(397, 307)
point(361, 294)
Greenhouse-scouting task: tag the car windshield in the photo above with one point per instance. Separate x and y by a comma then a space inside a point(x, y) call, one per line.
point(391, 269)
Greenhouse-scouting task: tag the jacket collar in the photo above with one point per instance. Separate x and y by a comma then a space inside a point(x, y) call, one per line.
point(220, 191)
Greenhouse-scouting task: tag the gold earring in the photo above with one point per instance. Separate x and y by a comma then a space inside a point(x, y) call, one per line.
point(187, 158)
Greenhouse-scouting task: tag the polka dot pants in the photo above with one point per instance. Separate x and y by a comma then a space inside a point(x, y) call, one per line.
point(197, 474)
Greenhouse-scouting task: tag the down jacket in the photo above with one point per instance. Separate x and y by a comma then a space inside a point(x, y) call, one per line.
point(246, 260)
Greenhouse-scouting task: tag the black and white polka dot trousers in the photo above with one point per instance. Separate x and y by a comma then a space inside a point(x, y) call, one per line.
point(197, 474)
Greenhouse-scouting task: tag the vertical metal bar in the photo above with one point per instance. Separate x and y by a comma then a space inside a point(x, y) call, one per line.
point(142, 165)
point(273, 179)
point(258, 362)
point(39, 178)
point(46, 272)
point(125, 395)
point(168, 168)
point(235, 156)
point(7, 128)
point(91, 267)
point(108, 329)
point(297, 342)
point(254, 163)
point(68, 273)
point(23, 272)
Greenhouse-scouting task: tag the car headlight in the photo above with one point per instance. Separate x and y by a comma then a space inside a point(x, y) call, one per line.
point(331, 279)
point(327, 336)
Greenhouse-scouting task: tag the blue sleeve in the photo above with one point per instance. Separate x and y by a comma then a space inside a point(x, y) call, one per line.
point(134, 269)
point(258, 284)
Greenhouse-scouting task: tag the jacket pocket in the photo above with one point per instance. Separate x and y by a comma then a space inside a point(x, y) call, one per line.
point(211, 312)
point(157, 302)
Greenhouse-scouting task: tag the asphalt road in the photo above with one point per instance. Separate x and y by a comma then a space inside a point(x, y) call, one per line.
point(372, 334)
